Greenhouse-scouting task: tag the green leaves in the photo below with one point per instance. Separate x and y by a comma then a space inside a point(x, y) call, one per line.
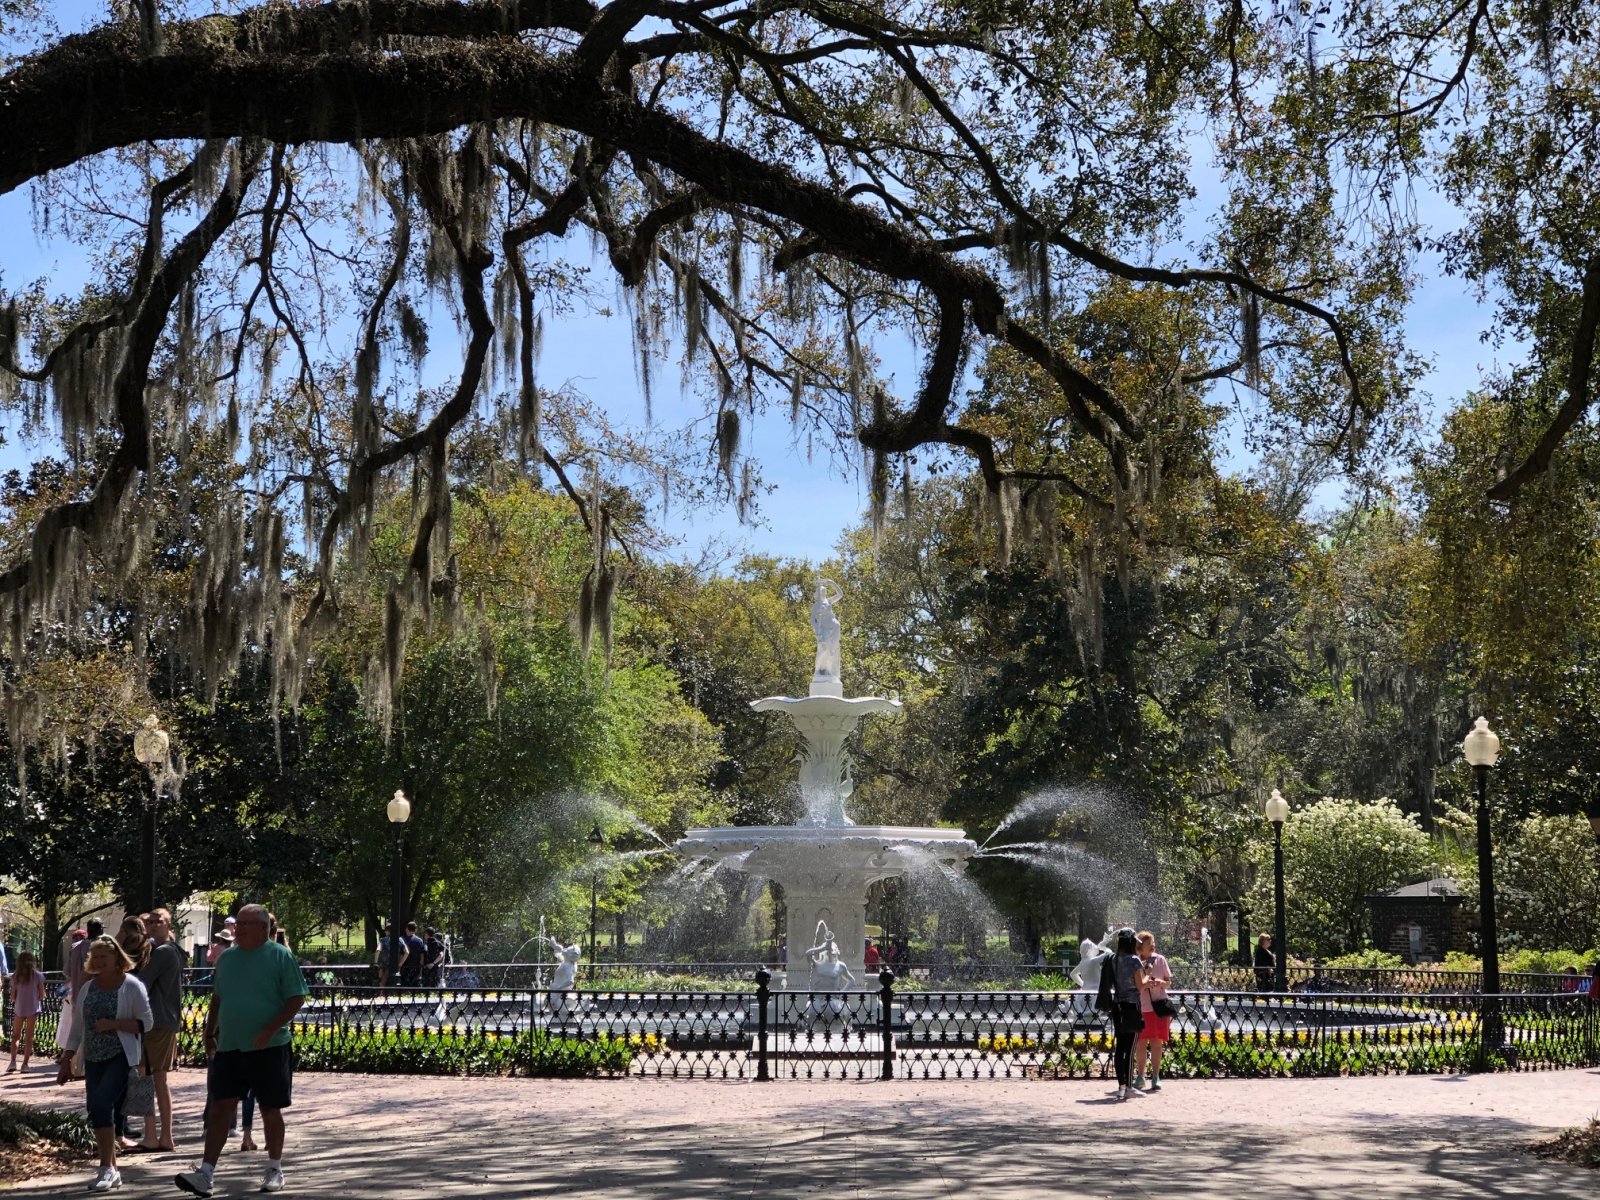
point(1336, 853)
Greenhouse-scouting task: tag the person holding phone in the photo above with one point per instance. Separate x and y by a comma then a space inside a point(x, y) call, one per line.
point(1155, 977)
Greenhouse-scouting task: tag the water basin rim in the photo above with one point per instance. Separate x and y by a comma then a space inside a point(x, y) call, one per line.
point(861, 704)
point(828, 833)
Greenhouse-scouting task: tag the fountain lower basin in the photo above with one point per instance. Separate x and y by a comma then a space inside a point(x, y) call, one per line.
point(825, 871)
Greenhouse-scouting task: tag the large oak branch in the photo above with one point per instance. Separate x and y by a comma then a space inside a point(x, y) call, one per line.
point(67, 105)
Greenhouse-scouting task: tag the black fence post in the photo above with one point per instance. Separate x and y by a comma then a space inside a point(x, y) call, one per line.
point(763, 978)
point(530, 1039)
point(886, 1020)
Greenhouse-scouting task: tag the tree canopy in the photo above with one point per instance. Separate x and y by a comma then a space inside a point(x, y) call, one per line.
point(1146, 209)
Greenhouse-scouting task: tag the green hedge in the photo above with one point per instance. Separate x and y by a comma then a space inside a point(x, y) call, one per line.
point(435, 1052)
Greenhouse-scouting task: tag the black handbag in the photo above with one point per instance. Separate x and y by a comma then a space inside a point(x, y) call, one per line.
point(1102, 998)
point(1164, 1007)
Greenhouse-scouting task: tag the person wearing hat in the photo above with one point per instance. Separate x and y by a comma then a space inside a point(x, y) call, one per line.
point(220, 941)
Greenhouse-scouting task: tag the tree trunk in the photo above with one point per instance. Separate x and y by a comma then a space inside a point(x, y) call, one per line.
point(50, 935)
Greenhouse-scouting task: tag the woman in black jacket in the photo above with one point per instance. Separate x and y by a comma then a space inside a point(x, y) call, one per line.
point(1126, 1020)
point(1265, 961)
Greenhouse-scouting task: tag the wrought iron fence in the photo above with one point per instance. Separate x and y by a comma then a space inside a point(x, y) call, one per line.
point(950, 976)
point(761, 1032)
point(1018, 1034)
point(1405, 981)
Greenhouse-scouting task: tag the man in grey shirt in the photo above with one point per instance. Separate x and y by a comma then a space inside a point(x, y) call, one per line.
point(76, 953)
point(162, 977)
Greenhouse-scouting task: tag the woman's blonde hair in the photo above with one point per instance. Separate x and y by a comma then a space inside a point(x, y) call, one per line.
point(1145, 938)
point(133, 942)
point(110, 945)
point(26, 965)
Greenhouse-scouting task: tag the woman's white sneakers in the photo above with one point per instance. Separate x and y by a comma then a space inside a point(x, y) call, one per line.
point(108, 1178)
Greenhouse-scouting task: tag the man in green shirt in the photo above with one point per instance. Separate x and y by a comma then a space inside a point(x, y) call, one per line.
point(256, 991)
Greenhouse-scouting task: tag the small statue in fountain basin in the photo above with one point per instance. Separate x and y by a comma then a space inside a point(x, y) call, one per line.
point(1092, 958)
point(828, 974)
point(565, 979)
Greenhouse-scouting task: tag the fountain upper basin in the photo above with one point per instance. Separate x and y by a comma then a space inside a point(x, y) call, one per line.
point(785, 844)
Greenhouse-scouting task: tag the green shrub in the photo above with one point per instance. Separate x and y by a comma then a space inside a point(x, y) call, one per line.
point(21, 1124)
point(1545, 962)
point(444, 1052)
point(1047, 982)
point(1366, 960)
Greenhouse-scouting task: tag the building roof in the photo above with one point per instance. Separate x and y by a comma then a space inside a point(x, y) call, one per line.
point(1438, 889)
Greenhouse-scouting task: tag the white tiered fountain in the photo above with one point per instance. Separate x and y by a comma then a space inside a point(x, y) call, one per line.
point(826, 862)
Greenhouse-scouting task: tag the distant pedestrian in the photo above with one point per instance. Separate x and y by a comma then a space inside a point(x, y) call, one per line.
point(416, 951)
point(433, 959)
point(1155, 1028)
point(390, 959)
point(1125, 1019)
point(871, 958)
point(27, 1002)
point(257, 990)
point(93, 929)
point(221, 941)
point(1265, 961)
point(162, 977)
point(112, 1011)
point(71, 1064)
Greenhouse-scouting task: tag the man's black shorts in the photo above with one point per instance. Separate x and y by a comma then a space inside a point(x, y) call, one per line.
point(268, 1073)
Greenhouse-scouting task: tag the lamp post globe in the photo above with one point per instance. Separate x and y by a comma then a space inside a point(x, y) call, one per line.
point(1481, 749)
point(398, 811)
point(597, 839)
point(1276, 811)
point(151, 745)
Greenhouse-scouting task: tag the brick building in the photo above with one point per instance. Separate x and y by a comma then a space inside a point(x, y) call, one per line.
point(1422, 922)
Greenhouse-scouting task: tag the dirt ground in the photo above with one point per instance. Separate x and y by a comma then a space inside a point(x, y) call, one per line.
point(1445, 1137)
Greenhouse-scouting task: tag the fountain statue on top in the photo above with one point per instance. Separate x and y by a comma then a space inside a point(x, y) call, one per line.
point(825, 679)
point(826, 862)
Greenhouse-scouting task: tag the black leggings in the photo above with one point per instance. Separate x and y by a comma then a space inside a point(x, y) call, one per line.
point(1126, 1021)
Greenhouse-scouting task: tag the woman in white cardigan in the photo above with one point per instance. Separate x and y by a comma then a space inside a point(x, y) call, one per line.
point(110, 1015)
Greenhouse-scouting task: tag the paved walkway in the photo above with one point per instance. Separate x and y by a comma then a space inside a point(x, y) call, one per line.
point(1444, 1138)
